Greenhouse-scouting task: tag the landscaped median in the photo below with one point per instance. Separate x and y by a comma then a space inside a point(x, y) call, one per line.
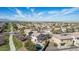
point(17, 43)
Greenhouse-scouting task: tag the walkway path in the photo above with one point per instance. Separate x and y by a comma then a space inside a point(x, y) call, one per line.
point(11, 43)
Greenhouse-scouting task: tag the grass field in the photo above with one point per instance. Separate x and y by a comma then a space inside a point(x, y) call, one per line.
point(5, 47)
point(18, 43)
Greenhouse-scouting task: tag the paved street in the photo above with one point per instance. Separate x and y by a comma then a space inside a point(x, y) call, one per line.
point(73, 49)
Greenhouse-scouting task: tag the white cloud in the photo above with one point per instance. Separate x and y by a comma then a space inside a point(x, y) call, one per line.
point(68, 11)
point(19, 13)
point(34, 15)
point(64, 11)
point(40, 13)
point(18, 16)
point(60, 14)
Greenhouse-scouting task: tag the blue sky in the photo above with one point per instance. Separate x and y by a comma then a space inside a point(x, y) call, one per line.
point(68, 14)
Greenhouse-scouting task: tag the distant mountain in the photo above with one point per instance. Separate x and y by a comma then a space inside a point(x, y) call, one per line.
point(3, 19)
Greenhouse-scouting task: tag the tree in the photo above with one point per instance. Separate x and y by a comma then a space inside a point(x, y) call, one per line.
point(30, 45)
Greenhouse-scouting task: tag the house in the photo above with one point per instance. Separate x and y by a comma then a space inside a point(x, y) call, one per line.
point(57, 30)
point(76, 29)
point(20, 26)
point(22, 37)
point(33, 36)
point(47, 31)
point(26, 31)
point(43, 36)
point(63, 40)
point(34, 39)
point(30, 33)
point(1, 40)
point(1, 26)
point(75, 37)
point(63, 29)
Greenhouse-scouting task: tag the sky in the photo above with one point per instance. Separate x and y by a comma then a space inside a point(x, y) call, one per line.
point(66, 14)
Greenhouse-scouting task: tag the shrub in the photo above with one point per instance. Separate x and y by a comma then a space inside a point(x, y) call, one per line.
point(30, 45)
point(55, 44)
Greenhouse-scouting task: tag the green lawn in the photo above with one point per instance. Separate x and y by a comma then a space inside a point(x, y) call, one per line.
point(5, 47)
point(18, 43)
